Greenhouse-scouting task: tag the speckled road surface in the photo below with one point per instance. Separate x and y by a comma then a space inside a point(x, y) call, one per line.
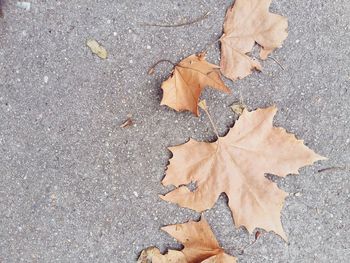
point(75, 187)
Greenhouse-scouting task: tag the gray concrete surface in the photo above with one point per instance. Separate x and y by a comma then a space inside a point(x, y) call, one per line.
point(75, 187)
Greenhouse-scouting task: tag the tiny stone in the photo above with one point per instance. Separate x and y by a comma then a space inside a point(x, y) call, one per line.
point(24, 5)
point(136, 194)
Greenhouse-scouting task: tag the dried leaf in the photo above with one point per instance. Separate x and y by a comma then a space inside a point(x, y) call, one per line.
point(200, 245)
point(247, 22)
point(236, 165)
point(238, 108)
point(97, 49)
point(183, 88)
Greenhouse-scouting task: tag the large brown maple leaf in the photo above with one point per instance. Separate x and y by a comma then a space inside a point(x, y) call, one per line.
point(247, 22)
point(183, 88)
point(200, 245)
point(236, 165)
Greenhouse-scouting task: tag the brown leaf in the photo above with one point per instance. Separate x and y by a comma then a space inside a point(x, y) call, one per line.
point(236, 165)
point(200, 245)
point(182, 89)
point(247, 22)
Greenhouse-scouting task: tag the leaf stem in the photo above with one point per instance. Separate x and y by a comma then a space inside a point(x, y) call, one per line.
point(211, 121)
point(152, 68)
point(1, 13)
point(279, 64)
point(341, 168)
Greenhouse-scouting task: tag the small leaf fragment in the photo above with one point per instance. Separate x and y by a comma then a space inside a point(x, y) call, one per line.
point(238, 108)
point(151, 71)
point(97, 49)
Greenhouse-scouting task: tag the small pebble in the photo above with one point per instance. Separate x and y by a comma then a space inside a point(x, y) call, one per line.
point(24, 5)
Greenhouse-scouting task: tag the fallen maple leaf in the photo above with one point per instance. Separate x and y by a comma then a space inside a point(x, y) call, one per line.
point(247, 22)
point(200, 245)
point(236, 165)
point(182, 89)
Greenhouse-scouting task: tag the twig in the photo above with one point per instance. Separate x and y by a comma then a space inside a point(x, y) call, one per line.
point(152, 68)
point(241, 101)
point(1, 13)
point(342, 168)
point(128, 122)
point(279, 64)
point(196, 20)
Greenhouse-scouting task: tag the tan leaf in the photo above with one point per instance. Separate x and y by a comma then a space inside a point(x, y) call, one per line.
point(182, 89)
point(96, 48)
point(200, 245)
point(236, 165)
point(247, 22)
